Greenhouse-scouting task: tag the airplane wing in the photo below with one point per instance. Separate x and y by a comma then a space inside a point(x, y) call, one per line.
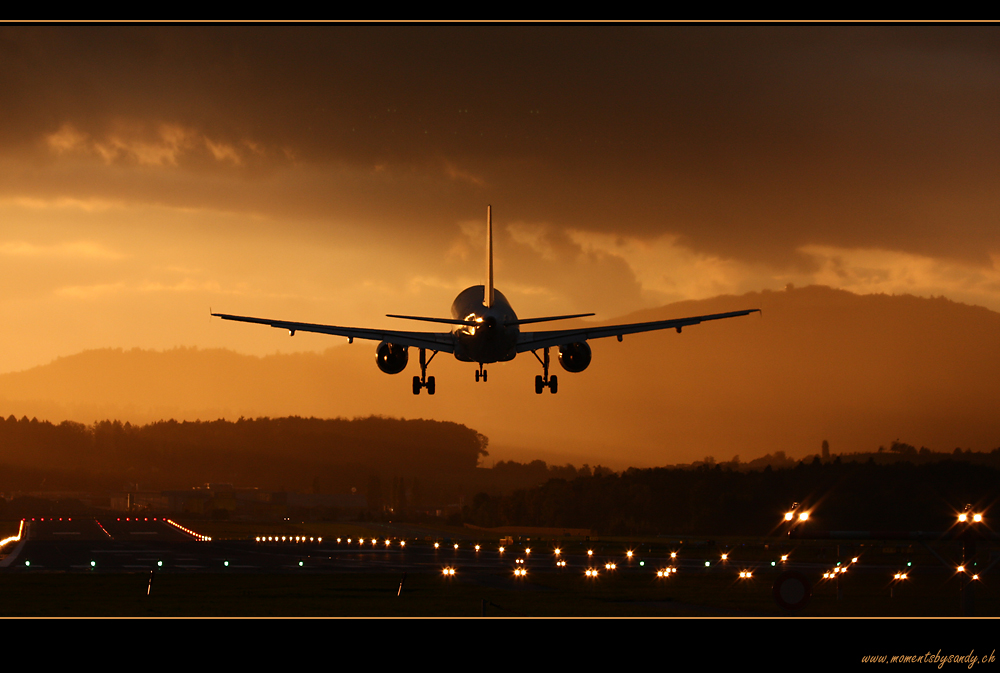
point(530, 341)
point(436, 341)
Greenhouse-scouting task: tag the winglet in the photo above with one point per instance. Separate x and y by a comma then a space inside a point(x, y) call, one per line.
point(488, 299)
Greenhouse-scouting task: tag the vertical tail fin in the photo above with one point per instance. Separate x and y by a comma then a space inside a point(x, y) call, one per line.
point(488, 299)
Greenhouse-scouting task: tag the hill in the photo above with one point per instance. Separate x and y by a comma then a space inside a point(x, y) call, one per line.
point(819, 364)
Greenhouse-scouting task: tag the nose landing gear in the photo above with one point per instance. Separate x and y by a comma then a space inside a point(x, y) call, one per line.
point(424, 381)
point(544, 381)
point(481, 374)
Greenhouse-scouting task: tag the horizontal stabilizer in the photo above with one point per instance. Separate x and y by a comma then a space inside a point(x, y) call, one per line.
point(446, 321)
point(525, 321)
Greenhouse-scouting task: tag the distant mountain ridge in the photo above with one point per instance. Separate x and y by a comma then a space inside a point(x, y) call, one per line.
point(818, 364)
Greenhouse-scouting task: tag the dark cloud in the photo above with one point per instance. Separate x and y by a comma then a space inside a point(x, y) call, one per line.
point(747, 141)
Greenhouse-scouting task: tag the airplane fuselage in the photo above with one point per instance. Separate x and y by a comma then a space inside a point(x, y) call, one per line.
point(494, 338)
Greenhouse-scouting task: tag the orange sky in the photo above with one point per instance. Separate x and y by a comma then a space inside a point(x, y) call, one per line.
point(334, 174)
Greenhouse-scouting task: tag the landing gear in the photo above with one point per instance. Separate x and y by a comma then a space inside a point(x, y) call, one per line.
point(481, 374)
point(424, 381)
point(544, 380)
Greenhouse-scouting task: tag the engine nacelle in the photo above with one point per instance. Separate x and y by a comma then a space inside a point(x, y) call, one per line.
point(391, 358)
point(574, 357)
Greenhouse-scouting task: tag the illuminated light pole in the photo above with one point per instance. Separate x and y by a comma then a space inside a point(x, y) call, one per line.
point(970, 522)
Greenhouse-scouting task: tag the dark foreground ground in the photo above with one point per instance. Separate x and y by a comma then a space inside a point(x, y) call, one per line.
point(431, 595)
point(148, 568)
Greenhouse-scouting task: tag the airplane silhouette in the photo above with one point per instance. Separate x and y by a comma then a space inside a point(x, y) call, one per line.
point(486, 330)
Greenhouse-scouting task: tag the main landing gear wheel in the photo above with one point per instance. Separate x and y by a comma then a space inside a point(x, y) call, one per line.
point(544, 380)
point(424, 381)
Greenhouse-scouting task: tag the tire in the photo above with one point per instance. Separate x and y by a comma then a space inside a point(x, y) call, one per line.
point(539, 385)
point(554, 384)
point(416, 385)
point(430, 385)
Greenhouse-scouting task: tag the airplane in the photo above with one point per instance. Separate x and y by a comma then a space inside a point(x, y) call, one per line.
point(486, 331)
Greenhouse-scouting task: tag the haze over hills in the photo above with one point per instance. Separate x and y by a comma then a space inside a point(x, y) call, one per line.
point(819, 364)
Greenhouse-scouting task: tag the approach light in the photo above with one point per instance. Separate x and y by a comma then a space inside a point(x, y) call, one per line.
point(963, 517)
point(477, 547)
point(961, 569)
point(448, 572)
point(725, 557)
point(558, 551)
point(788, 516)
point(527, 551)
point(501, 550)
point(436, 545)
point(456, 545)
point(784, 558)
point(388, 542)
point(977, 518)
point(804, 516)
point(673, 554)
point(854, 560)
point(402, 543)
point(629, 553)
point(590, 552)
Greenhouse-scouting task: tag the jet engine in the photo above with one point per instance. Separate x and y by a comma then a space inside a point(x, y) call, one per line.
point(574, 357)
point(391, 358)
